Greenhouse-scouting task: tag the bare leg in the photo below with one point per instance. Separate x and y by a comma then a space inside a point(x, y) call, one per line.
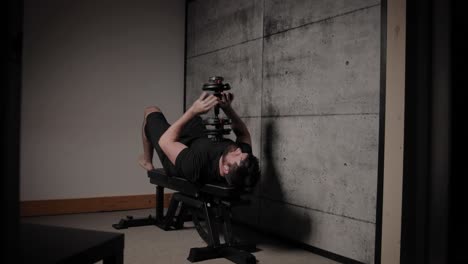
point(146, 159)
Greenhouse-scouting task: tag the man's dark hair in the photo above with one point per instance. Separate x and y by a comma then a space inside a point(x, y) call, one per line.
point(246, 174)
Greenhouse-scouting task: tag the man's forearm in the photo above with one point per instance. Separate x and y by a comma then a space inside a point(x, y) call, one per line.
point(173, 132)
point(169, 140)
point(237, 125)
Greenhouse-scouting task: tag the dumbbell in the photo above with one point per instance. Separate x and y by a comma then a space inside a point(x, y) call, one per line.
point(216, 131)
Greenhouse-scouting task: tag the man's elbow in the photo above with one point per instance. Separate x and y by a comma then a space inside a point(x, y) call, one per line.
point(163, 141)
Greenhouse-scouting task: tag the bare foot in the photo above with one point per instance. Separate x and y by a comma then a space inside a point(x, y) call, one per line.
point(147, 165)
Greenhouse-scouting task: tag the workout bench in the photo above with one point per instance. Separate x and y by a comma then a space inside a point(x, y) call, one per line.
point(208, 206)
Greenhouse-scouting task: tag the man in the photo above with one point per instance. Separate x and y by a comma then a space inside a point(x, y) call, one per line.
point(185, 150)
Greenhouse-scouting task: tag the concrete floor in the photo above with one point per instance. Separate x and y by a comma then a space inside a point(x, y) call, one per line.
point(149, 244)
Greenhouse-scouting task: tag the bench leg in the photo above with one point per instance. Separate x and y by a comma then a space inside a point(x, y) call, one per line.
point(230, 249)
point(159, 203)
point(133, 222)
point(150, 220)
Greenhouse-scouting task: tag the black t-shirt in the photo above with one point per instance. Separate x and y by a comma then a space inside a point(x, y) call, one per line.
point(200, 161)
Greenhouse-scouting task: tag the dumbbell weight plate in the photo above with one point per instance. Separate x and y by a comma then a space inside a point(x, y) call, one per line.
point(214, 87)
point(222, 131)
point(216, 121)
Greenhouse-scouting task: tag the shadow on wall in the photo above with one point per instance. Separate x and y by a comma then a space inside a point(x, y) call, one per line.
point(277, 216)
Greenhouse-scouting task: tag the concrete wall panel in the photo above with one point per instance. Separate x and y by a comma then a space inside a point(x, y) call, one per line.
point(333, 233)
point(215, 24)
point(241, 67)
point(325, 163)
point(281, 15)
point(308, 91)
point(327, 67)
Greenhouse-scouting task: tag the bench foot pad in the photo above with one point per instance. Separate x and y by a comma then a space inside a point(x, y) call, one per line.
point(240, 254)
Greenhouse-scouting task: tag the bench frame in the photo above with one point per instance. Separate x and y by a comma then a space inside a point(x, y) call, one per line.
point(208, 206)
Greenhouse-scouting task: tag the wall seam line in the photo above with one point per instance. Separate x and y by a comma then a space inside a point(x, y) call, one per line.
point(324, 19)
point(263, 36)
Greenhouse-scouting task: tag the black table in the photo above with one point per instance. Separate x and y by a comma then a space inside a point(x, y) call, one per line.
point(53, 244)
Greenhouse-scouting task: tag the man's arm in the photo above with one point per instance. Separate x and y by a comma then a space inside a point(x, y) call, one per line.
point(238, 126)
point(169, 140)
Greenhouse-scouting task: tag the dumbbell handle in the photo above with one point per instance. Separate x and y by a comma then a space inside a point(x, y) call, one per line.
point(216, 110)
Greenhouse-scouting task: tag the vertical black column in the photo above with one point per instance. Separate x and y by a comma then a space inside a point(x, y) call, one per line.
point(417, 133)
point(428, 132)
point(10, 118)
point(458, 219)
point(382, 105)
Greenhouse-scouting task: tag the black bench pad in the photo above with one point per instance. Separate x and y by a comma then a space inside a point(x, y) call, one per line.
point(160, 178)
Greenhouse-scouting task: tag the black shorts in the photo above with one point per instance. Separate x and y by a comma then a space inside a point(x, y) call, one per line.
point(156, 125)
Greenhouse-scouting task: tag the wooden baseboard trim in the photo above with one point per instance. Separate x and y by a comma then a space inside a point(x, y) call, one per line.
point(90, 205)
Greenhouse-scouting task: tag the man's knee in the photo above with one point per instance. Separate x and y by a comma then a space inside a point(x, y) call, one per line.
point(151, 109)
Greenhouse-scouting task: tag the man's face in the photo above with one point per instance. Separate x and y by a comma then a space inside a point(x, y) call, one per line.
point(235, 157)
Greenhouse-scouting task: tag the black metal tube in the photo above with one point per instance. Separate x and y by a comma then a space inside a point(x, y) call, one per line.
point(188, 200)
point(159, 203)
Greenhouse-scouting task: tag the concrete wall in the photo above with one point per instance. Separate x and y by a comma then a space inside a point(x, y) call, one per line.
point(89, 69)
point(306, 79)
